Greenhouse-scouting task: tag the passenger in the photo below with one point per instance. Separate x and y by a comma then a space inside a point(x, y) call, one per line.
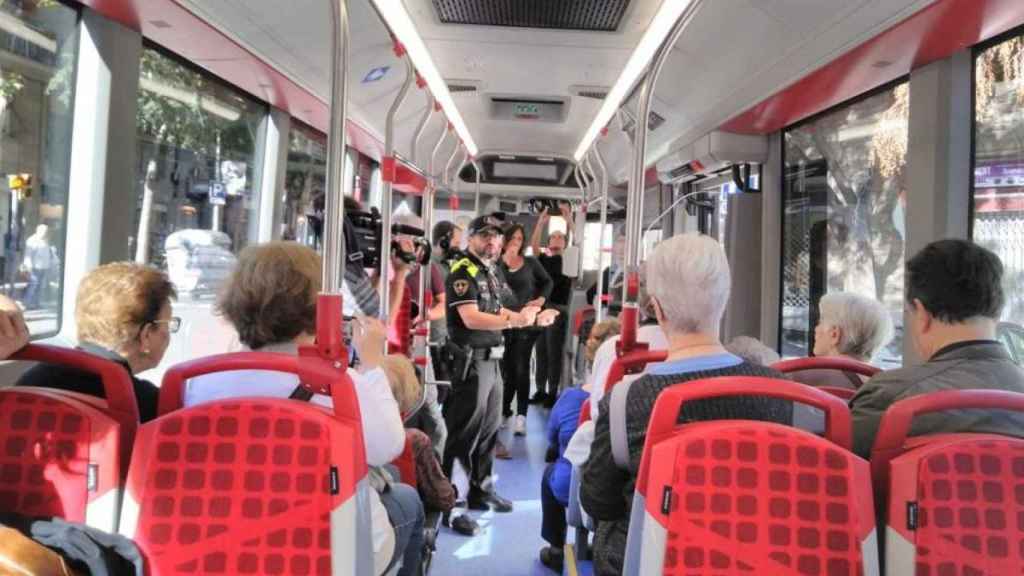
point(14, 333)
point(532, 287)
point(271, 300)
point(850, 326)
point(122, 313)
point(475, 320)
point(649, 332)
point(954, 300)
point(360, 288)
point(551, 343)
point(435, 489)
point(752, 350)
point(689, 281)
point(562, 425)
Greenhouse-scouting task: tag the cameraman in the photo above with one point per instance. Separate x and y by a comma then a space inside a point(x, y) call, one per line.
point(359, 289)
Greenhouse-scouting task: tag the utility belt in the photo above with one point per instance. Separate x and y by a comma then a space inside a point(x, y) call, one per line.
point(462, 357)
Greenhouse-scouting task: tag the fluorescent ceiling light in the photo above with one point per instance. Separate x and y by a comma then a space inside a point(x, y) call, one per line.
point(401, 25)
point(657, 31)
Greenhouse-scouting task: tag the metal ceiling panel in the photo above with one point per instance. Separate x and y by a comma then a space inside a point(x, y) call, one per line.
point(588, 15)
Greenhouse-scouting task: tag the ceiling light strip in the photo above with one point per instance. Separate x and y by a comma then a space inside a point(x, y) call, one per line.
point(398, 20)
point(661, 25)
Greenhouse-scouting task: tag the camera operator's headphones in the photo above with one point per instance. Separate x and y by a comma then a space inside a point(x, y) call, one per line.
point(443, 232)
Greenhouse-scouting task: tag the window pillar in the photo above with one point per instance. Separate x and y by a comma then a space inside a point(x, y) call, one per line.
point(276, 127)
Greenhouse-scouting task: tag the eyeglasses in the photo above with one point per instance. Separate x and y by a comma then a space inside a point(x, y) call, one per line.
point(173, 324)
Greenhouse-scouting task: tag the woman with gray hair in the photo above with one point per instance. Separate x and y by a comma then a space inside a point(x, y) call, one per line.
point(688, 279)
point(850, 326)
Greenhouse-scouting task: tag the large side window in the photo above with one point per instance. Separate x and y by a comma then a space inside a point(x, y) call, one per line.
point(999, 164)
point(844, 196)
point(304, 186)
point(198, 189)
point(38, 49)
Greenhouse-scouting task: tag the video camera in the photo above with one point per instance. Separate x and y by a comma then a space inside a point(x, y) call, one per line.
point(537, 205)
point(363, 236)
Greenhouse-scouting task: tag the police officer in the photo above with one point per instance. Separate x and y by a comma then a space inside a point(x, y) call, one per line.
point(475, 321)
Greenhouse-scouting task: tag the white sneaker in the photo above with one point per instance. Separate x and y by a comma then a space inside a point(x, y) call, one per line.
point(520, 429)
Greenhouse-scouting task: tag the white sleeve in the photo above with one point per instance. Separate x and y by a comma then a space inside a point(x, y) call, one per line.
point(383, 432)
point(603, 360)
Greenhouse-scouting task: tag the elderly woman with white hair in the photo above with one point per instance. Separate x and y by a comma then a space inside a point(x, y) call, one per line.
point(689, 280)
point(850, 326)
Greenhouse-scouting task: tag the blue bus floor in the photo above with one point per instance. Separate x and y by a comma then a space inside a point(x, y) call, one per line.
point(507, 544)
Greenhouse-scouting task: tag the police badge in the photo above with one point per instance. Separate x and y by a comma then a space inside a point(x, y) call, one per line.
point(461, 287)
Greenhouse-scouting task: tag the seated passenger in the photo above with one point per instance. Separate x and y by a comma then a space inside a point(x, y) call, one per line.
point(562, 424)
point(688, 279)
point(122, 313)
point(435, 489)
point(954, 299)
point(270, 299)
point(752, 350)
point(14, 334)
point(648, 332)
point(850, 326)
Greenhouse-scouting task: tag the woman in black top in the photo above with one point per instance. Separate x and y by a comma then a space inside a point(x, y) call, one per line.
point(532, 286)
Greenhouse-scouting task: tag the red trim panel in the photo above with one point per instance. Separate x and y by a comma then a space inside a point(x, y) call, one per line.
point(170, 25)
point(931, 34)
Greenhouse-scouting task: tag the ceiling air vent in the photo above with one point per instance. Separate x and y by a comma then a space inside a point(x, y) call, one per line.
point(682, 172)
point(589, 15)
point(592, 92)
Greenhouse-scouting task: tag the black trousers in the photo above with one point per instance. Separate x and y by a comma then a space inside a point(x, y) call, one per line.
point(472, 414)
point(516, 369)
point(550, 355)
point(553, 524)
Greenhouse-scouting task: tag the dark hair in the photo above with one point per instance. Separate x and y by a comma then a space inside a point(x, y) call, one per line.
point(956, 280)
point(443, 229)
point(510, 231)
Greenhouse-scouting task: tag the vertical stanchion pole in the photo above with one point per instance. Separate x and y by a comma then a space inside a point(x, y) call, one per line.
point(603, 173)
point(388, 173)
point(476, 192)
point(635, 199)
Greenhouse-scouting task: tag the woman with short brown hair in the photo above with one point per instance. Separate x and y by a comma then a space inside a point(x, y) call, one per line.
point(122, 313)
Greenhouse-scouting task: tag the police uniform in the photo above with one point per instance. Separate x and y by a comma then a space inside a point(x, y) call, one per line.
point(472, 411)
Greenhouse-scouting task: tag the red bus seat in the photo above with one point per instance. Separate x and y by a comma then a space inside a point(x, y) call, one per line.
point(579, 317)
point(836, 363)
point(844, 393)
point(65, 454)
point(739, 496)
point(632, 362)
point(252, 485)
point(954, 502)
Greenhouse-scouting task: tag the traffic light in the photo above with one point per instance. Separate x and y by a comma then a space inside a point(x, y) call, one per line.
point(20, 183)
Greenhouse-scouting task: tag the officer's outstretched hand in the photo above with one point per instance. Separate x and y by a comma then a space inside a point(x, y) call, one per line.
point(530, 314)
point(547, 317)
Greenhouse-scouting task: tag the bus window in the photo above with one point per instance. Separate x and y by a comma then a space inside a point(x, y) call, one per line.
point(999, 164)
point(36, 101)
point(198, 192)
point(304, 185)
point(843, 214)
point(593, 257)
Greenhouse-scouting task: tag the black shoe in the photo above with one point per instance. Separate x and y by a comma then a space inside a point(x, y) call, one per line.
point(538, 398)
point(465, 525)
point(553, 558)
point(549, 401)
point(488, 501)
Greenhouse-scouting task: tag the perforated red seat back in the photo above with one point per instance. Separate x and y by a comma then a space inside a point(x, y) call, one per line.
point(64, 453)
point(737, 496)
point(955, 502)
point(60, 457)
point(252, 485)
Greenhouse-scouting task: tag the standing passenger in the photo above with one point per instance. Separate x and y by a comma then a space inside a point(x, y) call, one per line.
point(531, 286)
point(551, 344)
point(475, 321)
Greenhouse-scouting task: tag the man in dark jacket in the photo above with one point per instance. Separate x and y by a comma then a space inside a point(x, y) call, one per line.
point(955, 297)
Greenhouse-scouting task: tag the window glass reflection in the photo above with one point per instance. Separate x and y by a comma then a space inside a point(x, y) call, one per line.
point(305, 183)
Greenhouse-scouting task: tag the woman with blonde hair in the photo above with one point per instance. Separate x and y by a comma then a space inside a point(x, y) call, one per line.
point(122, 313)
point(270, 298)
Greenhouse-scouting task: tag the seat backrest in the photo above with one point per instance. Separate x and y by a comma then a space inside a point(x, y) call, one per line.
point(65, 454)
point(837, 363)
point(253, 485)
point(581, 314)
point(584, 413)
point(632, 362)
point(732, 496)
point(61, 457)
point(954, 502)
